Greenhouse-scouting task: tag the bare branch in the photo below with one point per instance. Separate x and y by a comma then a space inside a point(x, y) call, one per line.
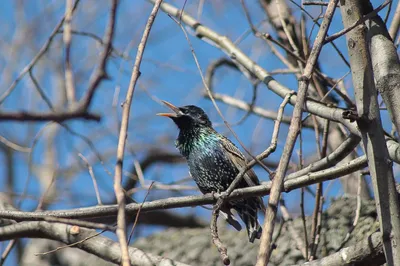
point(120, 195)
point(100, 246)
point(277, 183)
point(369, 122)
point(56, 117)
point(93, 213)
point(367, 252)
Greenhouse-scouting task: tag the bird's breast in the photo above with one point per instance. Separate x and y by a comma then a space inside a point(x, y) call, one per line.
point(211, 169)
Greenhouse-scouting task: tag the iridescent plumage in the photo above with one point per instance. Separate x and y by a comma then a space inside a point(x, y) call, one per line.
point(214, 162)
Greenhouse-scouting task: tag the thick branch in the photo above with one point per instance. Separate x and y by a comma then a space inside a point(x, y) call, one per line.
point(369, 122)
point(84, 239)
point(386, 66)
point(369, 251)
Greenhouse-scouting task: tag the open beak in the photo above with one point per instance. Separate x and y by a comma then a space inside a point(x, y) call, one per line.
point(176, 111)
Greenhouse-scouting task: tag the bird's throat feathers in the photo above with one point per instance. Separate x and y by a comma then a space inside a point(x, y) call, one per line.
point(194, 138)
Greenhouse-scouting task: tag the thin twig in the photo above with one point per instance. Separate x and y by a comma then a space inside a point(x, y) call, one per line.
point(7, 251)
point(223, 252)
point(293, 232)
point(229, 100)
point(303, 214)
point(119, 193)
point(319, 25)
point(316, 217)
point(13, 145)
point(138, 213)
point(68, 246)
point(139, 172)
point(268, 151)
point(356, 217)
point(90, 168)
point(101, 72)
point(40, 91)
point(277, 183)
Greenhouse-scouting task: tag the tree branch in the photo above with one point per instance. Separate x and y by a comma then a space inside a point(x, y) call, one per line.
point(95, 213)
point(277, 183)
point(83, 239)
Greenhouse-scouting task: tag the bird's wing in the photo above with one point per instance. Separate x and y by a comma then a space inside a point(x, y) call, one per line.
point(238, 159)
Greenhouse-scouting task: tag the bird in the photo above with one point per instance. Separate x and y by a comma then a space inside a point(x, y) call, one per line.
point(214, 162)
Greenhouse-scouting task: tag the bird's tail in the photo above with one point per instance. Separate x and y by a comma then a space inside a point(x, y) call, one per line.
point(248, 212)
point(228, 216)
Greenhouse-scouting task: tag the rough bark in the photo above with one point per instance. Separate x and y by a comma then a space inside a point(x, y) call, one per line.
point(386, 65)
point(369, 123)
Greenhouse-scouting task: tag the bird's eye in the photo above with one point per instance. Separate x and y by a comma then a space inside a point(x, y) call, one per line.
point(183, 110)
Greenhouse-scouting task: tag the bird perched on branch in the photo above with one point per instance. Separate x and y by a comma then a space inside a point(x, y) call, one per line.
point(214, 162)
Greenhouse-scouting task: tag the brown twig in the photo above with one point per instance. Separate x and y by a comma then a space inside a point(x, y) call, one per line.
point(101, 72)
point(138, 213)
point(267, 152)
point(69, 245)
point(293, 232)
point(223, 252)
point(100, 41)
point(303, 218)
point(356, 217)
point(56, 117)
point(319, 25)
point(40, 91)
point(277, 183)
point(303, 214)
point(316, 217)
point(90, 168)
point(119, 193)
point(7, 251)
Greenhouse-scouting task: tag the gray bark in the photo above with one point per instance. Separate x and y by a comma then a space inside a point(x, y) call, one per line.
point(370, 126)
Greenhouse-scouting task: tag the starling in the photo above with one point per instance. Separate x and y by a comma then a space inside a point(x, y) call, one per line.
point(214, 162)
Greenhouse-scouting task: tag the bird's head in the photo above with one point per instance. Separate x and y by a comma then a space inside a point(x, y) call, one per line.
point(187, 117)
